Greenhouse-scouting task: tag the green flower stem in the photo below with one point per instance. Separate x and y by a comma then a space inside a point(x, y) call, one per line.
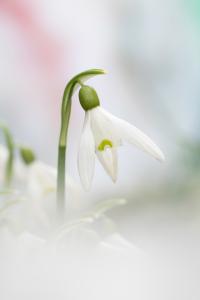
point(65, 118)
point(10, 159)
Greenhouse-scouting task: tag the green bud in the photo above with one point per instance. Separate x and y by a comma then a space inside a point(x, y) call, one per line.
point(88, 97)
point(27, 155)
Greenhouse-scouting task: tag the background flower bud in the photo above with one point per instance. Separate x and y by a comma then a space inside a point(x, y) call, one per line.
point(27, 155)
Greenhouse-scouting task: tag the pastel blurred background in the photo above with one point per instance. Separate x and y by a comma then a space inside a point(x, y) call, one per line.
point(150, 49)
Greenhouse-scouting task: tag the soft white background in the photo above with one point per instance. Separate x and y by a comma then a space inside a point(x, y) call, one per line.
point(150, 49)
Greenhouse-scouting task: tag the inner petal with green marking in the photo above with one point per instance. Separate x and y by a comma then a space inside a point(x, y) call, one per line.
point(105, 143)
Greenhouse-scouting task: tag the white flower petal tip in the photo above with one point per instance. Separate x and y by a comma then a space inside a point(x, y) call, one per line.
point(155, 152)
point(160, 157)
point(114, 179)
point(108, 159)
point(152, 149)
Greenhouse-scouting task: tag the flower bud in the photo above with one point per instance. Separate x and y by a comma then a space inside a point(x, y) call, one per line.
point(88, 97)
point(27, 155)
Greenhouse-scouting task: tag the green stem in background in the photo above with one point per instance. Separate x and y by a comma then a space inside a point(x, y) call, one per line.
point(10, 147)
point(65, 117)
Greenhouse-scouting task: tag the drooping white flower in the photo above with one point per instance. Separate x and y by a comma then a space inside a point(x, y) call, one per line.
point(102, 134)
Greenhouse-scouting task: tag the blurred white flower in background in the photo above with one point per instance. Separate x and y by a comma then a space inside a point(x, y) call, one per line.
point(28, 212)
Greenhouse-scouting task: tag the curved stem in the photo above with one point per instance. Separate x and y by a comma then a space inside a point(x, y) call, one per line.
point(65, 118)
point(10, 159)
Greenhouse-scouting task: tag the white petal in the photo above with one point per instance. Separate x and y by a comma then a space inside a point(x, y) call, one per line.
point(102, 128)
point(86, 155)
point(133, 135)
point(108, 159)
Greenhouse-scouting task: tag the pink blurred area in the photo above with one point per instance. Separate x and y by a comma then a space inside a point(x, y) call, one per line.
point(34, 70)
point(42, 53)
point(39, 55)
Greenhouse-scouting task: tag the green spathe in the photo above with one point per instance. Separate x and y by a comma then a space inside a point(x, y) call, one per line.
point(88, 97)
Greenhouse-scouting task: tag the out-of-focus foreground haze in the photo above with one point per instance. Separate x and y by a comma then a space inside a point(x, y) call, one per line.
point(151, 50)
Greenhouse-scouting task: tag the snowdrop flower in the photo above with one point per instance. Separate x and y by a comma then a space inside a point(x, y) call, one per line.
point(102, 134)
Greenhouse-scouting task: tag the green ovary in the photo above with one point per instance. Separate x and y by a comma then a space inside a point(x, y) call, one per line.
point(105, 143)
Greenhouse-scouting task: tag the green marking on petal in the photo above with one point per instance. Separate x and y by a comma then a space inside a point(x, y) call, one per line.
point(103, 144)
